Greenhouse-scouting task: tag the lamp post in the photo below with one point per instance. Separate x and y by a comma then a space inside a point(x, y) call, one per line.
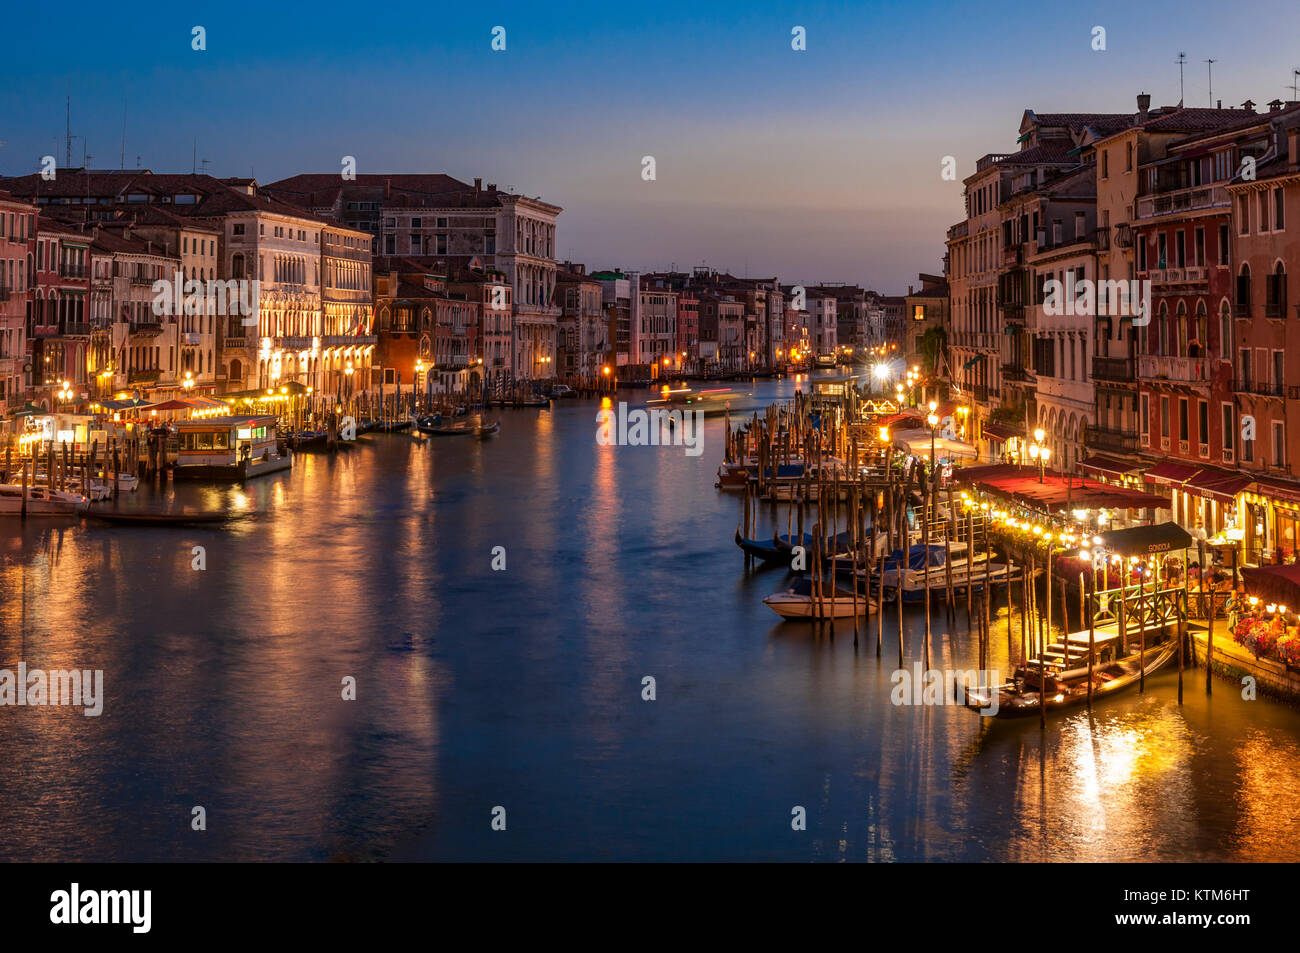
point(1039, 452)
point(933, 421)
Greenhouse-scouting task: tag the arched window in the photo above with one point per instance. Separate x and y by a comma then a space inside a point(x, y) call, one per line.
point(1164, 328)
point(1182, 349)
point(1243, 291)
point(1225, 332)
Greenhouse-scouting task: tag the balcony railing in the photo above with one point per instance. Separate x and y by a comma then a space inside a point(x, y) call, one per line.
point(1264, 388)
point(4, 294)
point(1183, 200)
point(1015, 372)
point(146, 327)
point(1113, 369)
point(74, 329)
point(152, 374)
point(1241, 309)
point(72, 271)
point(192, 338)
point(1012, 311)
point(1274, 310)
point(981, 392)
point(235, 343)
point(1105, 438)
point(1188, 370)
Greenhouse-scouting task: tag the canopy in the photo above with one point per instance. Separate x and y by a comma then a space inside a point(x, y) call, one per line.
point(1003, 432)
point(1168, 473)
point(1108, 466)
point(1056, 492)
point(290, 388)
point(128, 404)
point(29, 410)
point(1145, 540)
point(1274, 583)
point(917, 443)
point(1218, 485)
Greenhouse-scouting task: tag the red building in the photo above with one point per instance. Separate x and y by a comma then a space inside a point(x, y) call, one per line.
point(1182, 243)
point(58, 333)
point(17, 247)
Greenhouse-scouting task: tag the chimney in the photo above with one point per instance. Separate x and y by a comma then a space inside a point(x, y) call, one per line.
point(1249, 107)
point(388, 188)
point(1274, 105)
point(1218, 104)
point(492, 187)
point(1293, 147)
point(1144, 106)
point(478, 186)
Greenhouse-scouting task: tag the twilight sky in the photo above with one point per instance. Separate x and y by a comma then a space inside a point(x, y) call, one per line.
point(820, 165)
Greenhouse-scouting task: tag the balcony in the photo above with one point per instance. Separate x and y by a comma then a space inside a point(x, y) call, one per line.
point(1183, 200)
point(1274, 309)
point(72, 271)
point(1262, 388)
point(1178, 276)
point(146, 328)
point(1124, 235)
point(1182, 370)
point(142, 280)
point(1102, 237)
point(1015, 373)
point(981, 392)
point(295, 343)
point(1013, 255)
point(1241, 309)
point(1113, 369)
point(191, 338)
point(348, 340)
point(1012, 311)
point(1112, 440)
point(235, 343)
point(72, 329)
point(146, 376)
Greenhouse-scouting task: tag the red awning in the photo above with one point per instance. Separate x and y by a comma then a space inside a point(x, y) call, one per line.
point(1287, 492)
point(1274, 583)
point(1168, 473)
point(995, 431)
point(1218, 485)
point(1108, 467)
point(1056, 492)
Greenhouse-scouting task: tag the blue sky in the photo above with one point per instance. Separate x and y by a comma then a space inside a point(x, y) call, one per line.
point(814, 165)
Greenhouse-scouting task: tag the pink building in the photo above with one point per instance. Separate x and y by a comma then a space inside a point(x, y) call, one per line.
point(17, 230)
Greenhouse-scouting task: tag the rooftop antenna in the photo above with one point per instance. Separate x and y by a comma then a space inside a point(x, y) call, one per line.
point(1209, 68)
point(1294, 73)
point(67, 117)
point(205, 163)
point(1182, 58)
point(194, 158)
point(123, 161)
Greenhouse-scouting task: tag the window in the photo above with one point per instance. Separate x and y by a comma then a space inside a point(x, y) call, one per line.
point(1128, 156)
point(1279, 217)
point(1199, 261)
point(1080, 224)
point(1223, 245)
point(1243, 215)
point(1263, 211)
point(1225, 333)
point(237, 229)
point(442, 223)
point(1146, 417)
point(1183, 422)
point(1279, 373)
point(1279, 444)
point(1162, 251)
point(1105, 163)
point(415, 223)
point(1229, 429)
point(1164, 417)
point(1203, 426)
point(1180, 248)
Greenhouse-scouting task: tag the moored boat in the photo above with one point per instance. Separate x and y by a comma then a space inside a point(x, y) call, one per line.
point(1059, 690)
point(41, 501)
point(798, 601)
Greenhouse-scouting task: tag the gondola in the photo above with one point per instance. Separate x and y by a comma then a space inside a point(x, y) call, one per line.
point(165, 519)
point(460, 430)
point(487, 430)
point(766, 551)
point(1019, 698)
point(301, 440)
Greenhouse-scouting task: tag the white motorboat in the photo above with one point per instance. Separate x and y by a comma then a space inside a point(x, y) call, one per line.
point(798, 602)
point(41, 501)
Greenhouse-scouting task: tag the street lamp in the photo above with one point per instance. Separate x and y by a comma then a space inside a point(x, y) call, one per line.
point(1039, 452)
point(933, 421)
point(188, 383)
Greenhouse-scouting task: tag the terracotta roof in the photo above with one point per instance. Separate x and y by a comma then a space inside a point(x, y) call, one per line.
point(1054, 150)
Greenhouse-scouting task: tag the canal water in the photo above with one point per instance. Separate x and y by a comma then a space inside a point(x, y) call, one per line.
point(522, 688)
